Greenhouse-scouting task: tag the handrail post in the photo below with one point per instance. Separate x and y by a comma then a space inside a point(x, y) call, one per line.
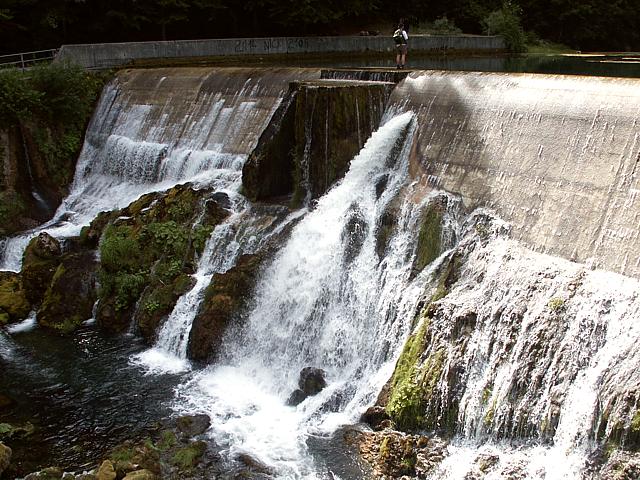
point(22, 61)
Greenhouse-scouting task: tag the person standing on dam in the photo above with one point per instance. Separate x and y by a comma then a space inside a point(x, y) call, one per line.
point(401, 39)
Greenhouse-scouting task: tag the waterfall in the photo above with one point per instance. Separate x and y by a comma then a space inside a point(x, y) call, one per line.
point(326, 300)
point(144, 137)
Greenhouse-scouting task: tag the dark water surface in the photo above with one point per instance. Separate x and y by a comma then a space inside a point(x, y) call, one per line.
point(80, 393)
point(605, 65)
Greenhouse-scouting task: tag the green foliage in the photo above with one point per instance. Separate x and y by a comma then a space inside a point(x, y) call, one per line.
point(167, 237)
point(11, 209)
point(128, 287)
point(120, 250)
point(18, 99)
point(506, 22)
point(440, 26)
point(56, 93)
point(201, 234)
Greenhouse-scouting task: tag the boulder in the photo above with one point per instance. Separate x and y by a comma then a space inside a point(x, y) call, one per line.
point(14, 305)
point(106, 471)
point(192, 425)
point(140, 475)
point(375, 416)
point(39, 264)
point(311, 382)
point(71, 294)
point(224, 301)
point(5, 457)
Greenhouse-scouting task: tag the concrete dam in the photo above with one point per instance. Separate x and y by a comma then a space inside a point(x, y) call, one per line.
point(357, 274)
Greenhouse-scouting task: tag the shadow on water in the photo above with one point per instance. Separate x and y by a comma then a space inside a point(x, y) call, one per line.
point(80, 393)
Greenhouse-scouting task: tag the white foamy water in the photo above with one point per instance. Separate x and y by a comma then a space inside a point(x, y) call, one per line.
point(136, 145)
point(24, 326)
point(553, 346)
point(328, 301)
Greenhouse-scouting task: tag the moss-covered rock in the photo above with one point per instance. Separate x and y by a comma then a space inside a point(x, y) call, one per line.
point(414, 383)
point(429, 245)
point(392, 454)
point(224, 301)
point(147, 252)
point(71, 294)
point(268, 172)
point(189, 456)
point(39, 264)
point(14, 305)
point(5, 457)
point(312, 137)
point(333, 120)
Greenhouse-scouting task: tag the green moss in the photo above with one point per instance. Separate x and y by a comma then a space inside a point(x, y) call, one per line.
point(13, 301)
point(490, 414)
point(486, 395)
point(635, 422)
point(412, 384)
point(122, 454)
point(189, 456)
point(429, 237)
point(556, 305)
point(168, 440)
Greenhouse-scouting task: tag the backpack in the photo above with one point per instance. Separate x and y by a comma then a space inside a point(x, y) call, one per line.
point(398, 37)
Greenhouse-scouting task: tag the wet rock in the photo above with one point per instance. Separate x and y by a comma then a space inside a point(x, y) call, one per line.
point(188, 457)
point(50, 473)
point(40, 262)
point(9, 431)
point(85, 476)
point(140, 475)
point(6, 402)
point(381, 185)
point(5, 457)
point(621, 465)
point(106, 471)
point(224, 302)
point(487, 461)
point(14, 305)
point(254, 464)
point(311, 382)
point(375, 416)
point(296, 398)
point(192, 425)
point(394, 454)
point(354, 234)
point(71, 294)
point(268, 172)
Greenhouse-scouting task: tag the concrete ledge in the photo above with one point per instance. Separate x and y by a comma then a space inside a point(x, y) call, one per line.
point(107, 55)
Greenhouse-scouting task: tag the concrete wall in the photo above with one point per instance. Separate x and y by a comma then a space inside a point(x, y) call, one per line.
point(556, 156)
point(115, 54)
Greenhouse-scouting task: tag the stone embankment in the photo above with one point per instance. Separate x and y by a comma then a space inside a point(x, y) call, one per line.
point(109, 55)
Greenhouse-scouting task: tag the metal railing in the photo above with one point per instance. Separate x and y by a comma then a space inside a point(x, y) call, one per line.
point(25, 60)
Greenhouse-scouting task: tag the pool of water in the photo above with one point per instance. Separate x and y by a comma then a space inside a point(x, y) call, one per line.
point(81, 394)
point(605, 65)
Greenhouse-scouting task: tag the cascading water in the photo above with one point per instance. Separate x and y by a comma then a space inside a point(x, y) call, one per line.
point(143, 138)
point(328, 301)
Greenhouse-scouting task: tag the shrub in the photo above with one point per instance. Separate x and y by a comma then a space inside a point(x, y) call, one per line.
point(506, 22)
point(444, 26)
